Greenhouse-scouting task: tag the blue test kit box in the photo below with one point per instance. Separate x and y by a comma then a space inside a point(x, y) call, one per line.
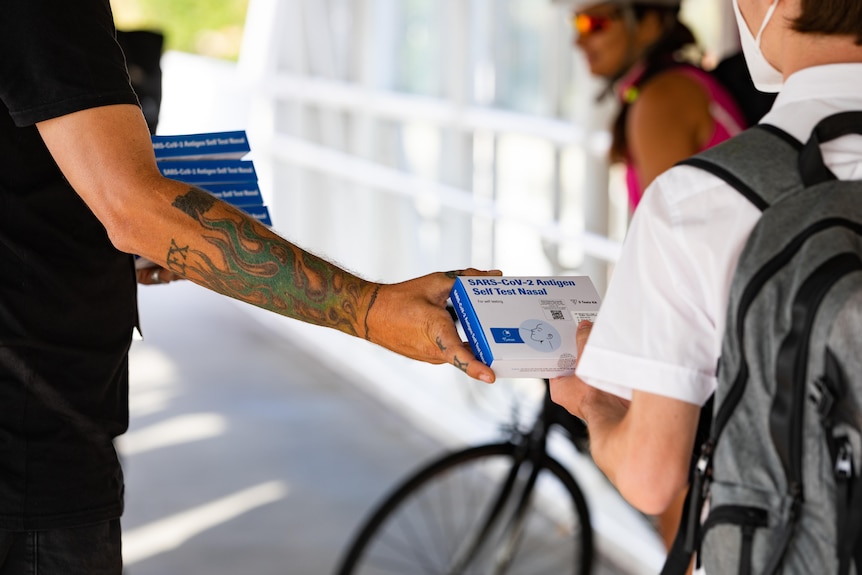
point(524, 326)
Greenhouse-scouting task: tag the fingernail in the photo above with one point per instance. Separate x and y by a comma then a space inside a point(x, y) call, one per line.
point(486, 378)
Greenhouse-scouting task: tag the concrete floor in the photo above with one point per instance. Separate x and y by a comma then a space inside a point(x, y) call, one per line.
point(246, 454)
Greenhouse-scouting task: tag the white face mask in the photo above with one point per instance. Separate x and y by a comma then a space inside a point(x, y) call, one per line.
point(764, 75)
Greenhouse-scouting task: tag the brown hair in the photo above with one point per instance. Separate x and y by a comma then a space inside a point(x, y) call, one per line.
point(830, 17)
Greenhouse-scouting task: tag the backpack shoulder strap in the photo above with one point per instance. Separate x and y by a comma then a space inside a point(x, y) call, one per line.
point(761, 163)
point(682, 550)
point(811, 165)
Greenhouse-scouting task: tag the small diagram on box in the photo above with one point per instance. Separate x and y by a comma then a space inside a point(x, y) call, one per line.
point(540, 335)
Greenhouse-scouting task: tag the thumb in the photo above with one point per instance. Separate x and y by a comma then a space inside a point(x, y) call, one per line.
point(461, 356)
point(582, 335)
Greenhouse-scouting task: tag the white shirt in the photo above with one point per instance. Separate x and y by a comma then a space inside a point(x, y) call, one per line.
point(662, 320)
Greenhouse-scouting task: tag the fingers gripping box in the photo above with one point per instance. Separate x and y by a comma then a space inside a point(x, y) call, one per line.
point(524, 326)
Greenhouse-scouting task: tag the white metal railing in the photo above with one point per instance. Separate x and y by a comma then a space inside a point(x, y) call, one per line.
point(344, 96)
point(363, 172)
point(359, 101)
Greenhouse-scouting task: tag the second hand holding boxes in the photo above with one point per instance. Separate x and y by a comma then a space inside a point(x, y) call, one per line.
point(524, 327)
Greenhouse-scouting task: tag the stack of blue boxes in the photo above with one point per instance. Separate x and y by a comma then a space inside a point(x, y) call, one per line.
point(214, 162)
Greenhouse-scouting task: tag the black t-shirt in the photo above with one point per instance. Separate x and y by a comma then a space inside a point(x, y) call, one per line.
point(67, 296)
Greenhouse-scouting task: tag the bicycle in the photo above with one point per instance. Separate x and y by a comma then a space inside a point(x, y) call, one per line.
point(501, 508)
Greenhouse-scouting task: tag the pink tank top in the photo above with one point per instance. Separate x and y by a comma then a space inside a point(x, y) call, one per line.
point(728, 121)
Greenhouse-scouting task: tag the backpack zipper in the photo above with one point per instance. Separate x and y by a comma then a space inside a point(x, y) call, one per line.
point(786, 417)
point(754, 286)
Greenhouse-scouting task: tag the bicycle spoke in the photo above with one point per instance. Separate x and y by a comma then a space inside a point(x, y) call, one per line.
point(403, 539)
point(436, 515)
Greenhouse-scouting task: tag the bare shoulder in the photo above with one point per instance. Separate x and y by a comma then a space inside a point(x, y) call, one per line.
point(671, 93)
point(668, 122)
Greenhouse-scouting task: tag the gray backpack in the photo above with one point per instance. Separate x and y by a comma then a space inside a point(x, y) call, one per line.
point(779, 471)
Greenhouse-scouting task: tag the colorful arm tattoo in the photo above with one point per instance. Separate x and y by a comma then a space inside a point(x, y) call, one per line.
point(246, 262)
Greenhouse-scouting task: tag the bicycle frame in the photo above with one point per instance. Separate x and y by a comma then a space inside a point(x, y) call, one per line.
point(532, 449)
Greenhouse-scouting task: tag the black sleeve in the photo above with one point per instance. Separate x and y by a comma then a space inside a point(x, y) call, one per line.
point(59, 57)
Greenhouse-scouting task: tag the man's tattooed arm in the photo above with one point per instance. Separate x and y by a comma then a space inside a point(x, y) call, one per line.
point(229, 252)
point(242, 259)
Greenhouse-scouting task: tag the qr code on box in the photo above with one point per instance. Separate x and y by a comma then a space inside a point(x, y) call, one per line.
point(555, 310)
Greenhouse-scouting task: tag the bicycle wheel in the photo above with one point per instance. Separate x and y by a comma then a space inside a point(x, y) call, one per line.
point(424, 524)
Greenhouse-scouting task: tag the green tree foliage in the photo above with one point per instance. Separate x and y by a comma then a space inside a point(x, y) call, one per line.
point(208, 27)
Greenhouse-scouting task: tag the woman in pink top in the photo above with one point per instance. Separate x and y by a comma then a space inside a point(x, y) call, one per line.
point(669, 110)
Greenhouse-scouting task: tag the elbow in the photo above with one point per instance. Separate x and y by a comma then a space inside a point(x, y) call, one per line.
point(653, 487)
point(124, 227)
point(120, 227)
point(654, 501)
point(128, 217)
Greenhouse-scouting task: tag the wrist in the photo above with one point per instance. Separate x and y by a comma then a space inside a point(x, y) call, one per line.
point(371, 301)
point(372, 292)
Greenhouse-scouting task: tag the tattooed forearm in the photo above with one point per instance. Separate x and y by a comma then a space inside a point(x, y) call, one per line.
point(242, 259)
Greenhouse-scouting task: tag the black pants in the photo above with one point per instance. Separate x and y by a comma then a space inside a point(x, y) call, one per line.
point(89, 550)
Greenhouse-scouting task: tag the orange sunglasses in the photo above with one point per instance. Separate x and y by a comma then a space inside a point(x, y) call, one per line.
point(586, 24)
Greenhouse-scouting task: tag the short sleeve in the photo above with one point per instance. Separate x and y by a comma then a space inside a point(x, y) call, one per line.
point(60, 57)
point(661, 323)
